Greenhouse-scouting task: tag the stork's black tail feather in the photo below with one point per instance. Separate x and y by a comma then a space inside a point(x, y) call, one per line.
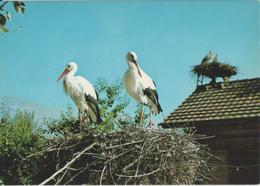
point(99, 120)
point(93, 104)
point(159, 108)
point(153, 96)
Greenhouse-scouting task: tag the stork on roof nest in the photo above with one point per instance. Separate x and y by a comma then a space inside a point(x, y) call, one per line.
point(212, 68)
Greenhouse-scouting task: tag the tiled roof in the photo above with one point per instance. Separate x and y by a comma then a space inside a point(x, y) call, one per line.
point(234, 100)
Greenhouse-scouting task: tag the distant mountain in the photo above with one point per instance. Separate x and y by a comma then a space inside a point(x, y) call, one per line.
point(39, 110)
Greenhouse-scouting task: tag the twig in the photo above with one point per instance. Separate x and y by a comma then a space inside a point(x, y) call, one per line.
point(1, 7)
point(111, 175)
point(139, 159)
point(102, 174)
point(67, 165)
point(140, 175)
point(45, 150)
point(58, 152)
point(50, 149)
point(125, 144)
point(129, 165)
point(75, 175)
point(60, 179)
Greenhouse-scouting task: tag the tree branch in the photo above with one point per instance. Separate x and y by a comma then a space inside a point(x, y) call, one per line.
point(68, 164)
point(140, 175)
point(1, 7)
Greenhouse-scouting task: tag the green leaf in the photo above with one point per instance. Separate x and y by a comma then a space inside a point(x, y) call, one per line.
point(8, 16)
point(20, 9)
point(3, 29)
point(2, 19)
point(19, 6)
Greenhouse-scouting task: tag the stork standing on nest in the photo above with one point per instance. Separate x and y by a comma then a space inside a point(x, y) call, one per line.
point(215, 59)
point(206, 59)
point(141, 87)
point(82, 93)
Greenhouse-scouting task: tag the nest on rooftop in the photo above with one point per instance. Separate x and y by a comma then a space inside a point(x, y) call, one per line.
point(214, 70)
point(132, 156)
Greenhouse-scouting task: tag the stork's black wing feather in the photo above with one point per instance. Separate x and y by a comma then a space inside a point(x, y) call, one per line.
point(97, 95)
point(65, 86)
point(205, 60)
point(153, 96)
point(93, 104)
point(154, 83)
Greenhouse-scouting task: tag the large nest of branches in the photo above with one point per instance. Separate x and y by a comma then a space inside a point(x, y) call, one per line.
point(214, 69)
point(133, 156)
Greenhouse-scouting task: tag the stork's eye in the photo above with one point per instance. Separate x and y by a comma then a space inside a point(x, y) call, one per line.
point(68, 66)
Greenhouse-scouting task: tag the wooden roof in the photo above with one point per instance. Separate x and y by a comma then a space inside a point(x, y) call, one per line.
point(238, 99)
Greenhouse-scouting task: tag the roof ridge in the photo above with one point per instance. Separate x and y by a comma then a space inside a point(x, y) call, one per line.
point(208, 100)
point(219, 84)
point(237, 80)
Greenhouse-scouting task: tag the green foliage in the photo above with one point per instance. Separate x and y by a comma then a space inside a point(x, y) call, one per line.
point(139, 118)
point(112, 103)
point(18, 139)
point(19, 6)
point(5, 15)
point(67, 124)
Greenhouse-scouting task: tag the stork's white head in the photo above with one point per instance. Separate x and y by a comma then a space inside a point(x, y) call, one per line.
point(131, 58)
point(71, 68)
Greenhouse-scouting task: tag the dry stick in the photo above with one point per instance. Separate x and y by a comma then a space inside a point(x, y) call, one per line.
point(75, 175)
point(125, 144)
point(141, 152)
point(45, 150)
point(58, 152)
point(72, 178)
point(68, 164)
point(60, 179)
point(140, 175)
point(65, 172)
point(129, 165)
point(120, 155)
point(111, 175)
point(102, 174)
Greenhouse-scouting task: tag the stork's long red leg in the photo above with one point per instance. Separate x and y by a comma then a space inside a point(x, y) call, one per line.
point(80, 121)
point(151, 122)
point(86, 120)
point(142, 116)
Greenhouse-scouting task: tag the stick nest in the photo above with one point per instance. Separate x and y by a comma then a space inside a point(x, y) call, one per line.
point(214, 69)
point(133, 156)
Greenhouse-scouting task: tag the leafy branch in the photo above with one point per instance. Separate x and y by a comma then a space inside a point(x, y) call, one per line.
point(5, 15)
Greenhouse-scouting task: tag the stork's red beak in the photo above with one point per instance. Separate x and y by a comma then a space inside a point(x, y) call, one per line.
point(139, 72)
point(64, 73)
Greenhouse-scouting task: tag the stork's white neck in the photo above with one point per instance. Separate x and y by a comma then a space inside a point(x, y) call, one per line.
point(71, 74)
point(132, 66)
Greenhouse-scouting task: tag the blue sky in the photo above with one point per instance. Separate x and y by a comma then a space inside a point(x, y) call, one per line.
point(168, 37)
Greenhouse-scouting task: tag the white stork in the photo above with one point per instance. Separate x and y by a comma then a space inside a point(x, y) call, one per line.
point(82, 93)
point(215, 59)
point(141, 87)
point(207, 58)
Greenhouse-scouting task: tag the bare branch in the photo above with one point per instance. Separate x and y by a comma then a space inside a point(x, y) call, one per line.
point(67, 165)
point(2, 6)
point(140, 175)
